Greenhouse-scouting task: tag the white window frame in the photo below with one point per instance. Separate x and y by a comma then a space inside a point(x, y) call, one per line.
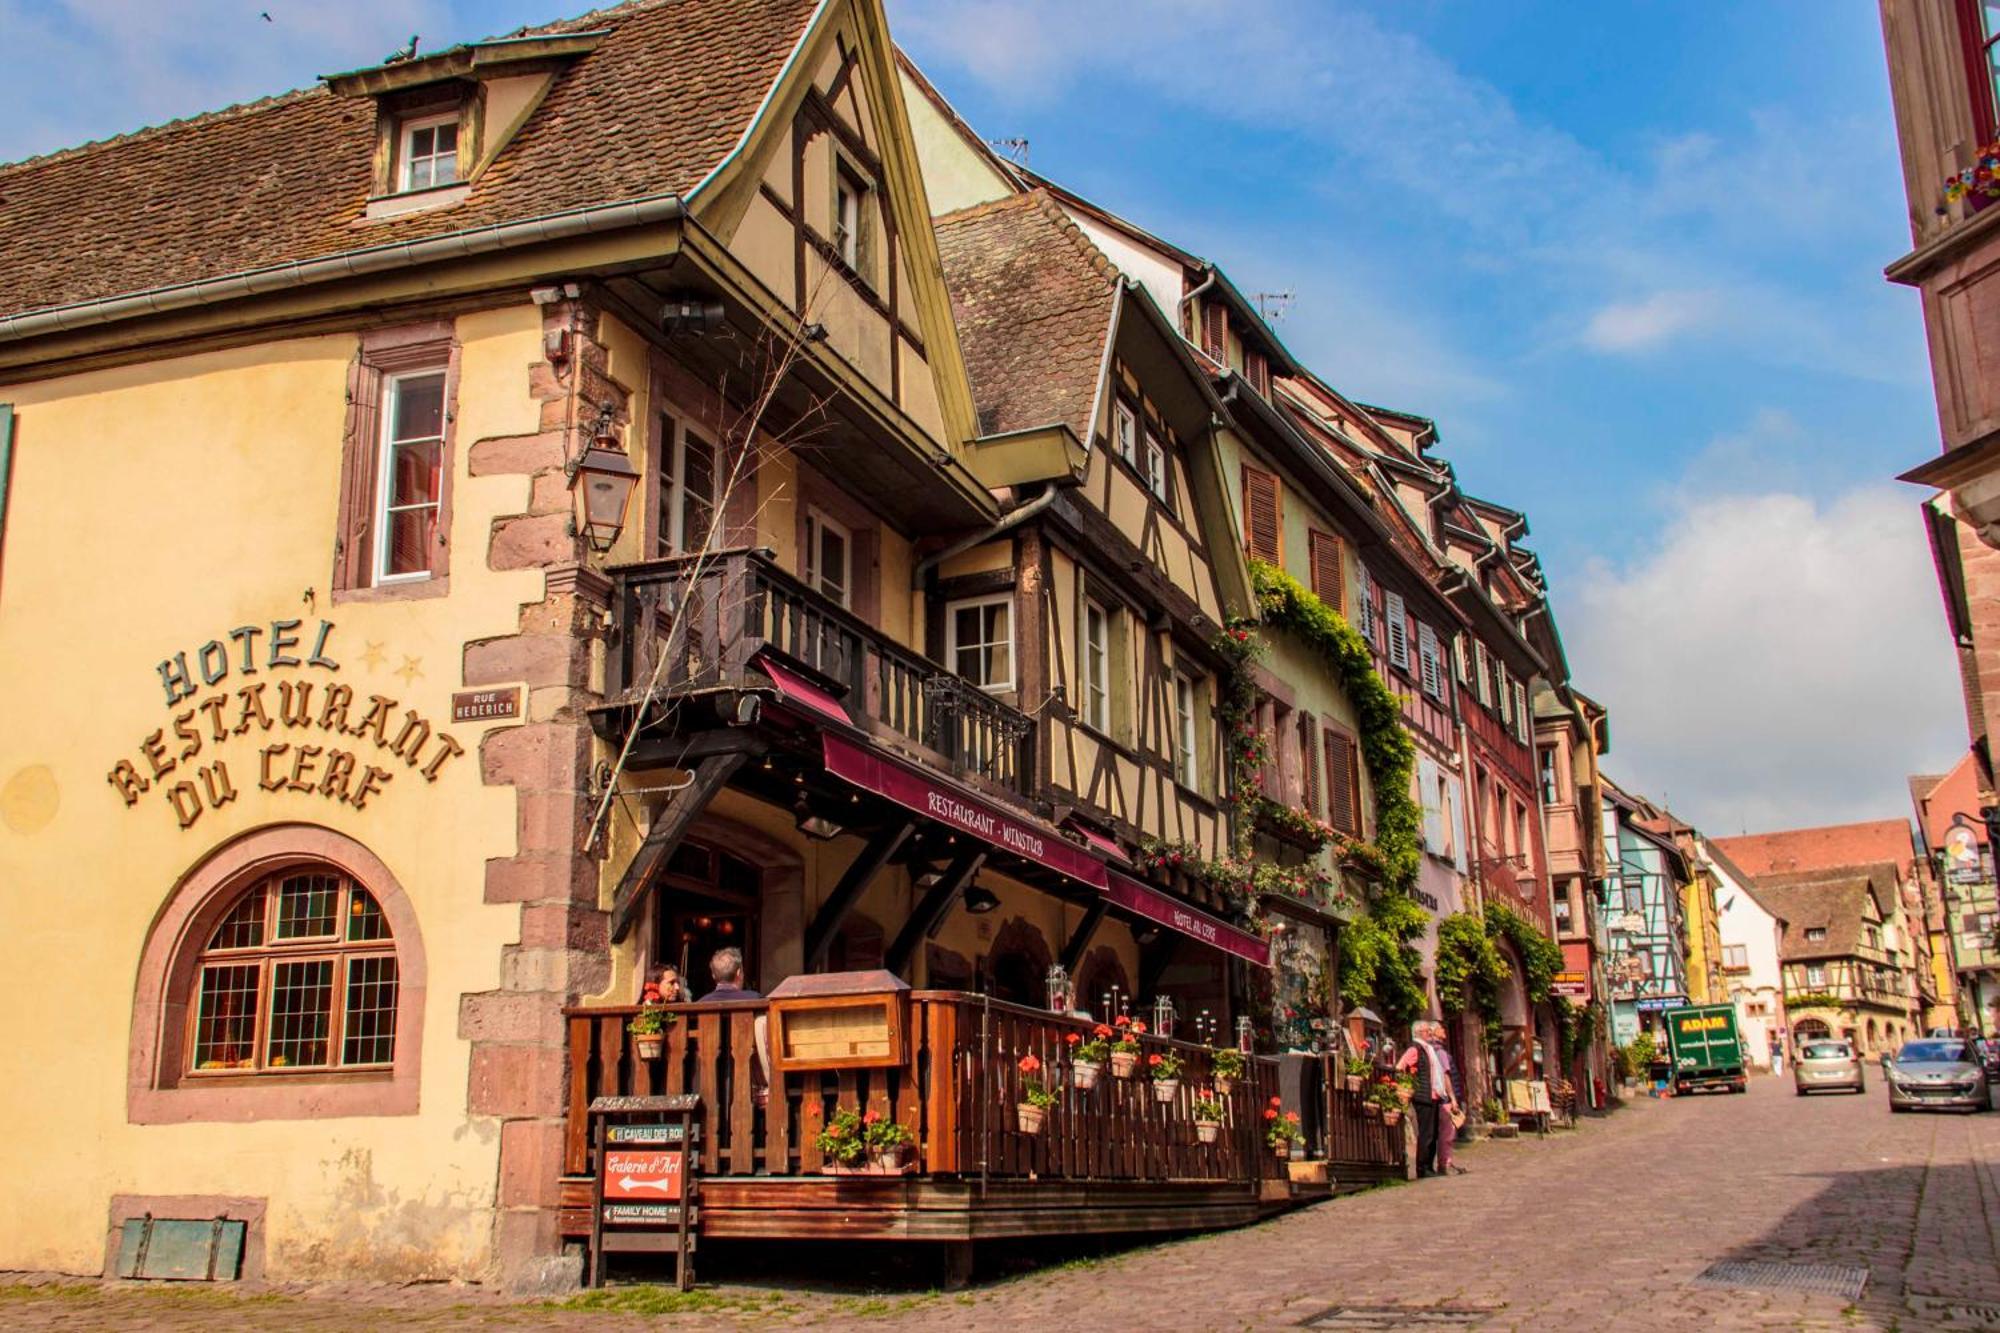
point(1396, 630)
point(1366, 587)
point(673, 448)
point(1815, 975)
point(386, 445)
point(1125, 431)
point(817, 521)
point(1187, 739)
point(1097, 665)
point(951, 642)
point(850, 196)
point(1156, 467)
point(406, 135)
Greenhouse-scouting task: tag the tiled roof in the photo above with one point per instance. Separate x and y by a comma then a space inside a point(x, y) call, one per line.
point(1032, 298)
point(1817, 900)
point(651, 111)
point(1831, 847)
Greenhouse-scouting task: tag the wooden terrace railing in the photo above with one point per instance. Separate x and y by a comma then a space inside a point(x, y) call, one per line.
point(736, 602)
point(957, 1096)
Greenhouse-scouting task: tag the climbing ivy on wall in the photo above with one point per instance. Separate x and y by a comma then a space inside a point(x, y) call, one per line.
point(1541, 957)
point(1386, 747)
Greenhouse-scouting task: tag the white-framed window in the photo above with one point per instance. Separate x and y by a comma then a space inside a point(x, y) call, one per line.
point(1815, 934)
point(829, 553)
point(686, 488)
point(1397, 630)
point(1365, 605)
point(1520, 711)
point(853, 212)
point(1736, 957)
point(1187, 764)
point(1097, 666)
point(430, 152)
point(1156, 466)
point(410, 490)
point(1815, 976)
point(1551, 780)
point(979, 640)
point(1125, 432)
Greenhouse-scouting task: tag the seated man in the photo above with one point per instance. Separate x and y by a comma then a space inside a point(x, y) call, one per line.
point(727, 970)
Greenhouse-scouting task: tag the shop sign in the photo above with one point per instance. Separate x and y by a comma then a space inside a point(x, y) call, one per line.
point(1663, 1003)
point(256, 680)
point(642, 1174)
point(1570, 985)
point(1128, 893)
point(960, 810)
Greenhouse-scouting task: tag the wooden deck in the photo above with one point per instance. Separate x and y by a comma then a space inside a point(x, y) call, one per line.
point(1112, 1160)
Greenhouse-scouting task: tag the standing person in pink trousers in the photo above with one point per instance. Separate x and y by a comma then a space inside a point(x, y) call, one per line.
point(1453, 1111)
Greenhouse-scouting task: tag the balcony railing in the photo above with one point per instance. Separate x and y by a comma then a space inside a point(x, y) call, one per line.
point(733, 603)
point(957, 1095)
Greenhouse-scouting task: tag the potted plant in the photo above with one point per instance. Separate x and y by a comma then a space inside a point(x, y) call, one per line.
point(1125, 1046)
point(1386, 1099)
point(1406, 1088)
point(1087, 1056)
point(1165, 1067)
point(649, 1031)
point(1227, 1063)
point(1208, 1118)
point(1355, 1071)
point(888, 1142)
point(1281, 1129)
point(1491, 1111)
point(1032, 1111)
point(843, 1143)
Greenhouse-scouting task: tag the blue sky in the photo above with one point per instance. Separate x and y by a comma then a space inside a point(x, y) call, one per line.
point(1628, 256)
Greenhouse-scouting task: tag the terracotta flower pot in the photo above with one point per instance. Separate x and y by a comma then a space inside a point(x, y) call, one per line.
point(889, 1160)
point(1223, 1083)
point(1032, 1117)
point(1353, 1082)
point(650, 1048)
point(1123, 1063)
point(1283, 1151)
point(1084, 1074)
point(1166, 1089)
point(1392, 1118)
point(1208, 1131)
point(1370, 1109)
point(1405, 1094)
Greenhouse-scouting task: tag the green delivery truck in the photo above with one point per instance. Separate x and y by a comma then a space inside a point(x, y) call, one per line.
point(1706, 1051)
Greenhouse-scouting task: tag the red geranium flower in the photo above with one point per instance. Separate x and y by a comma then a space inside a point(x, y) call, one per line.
point(1029, 1064)
point(1101, 1030)
point(1153, 1060)
point(1122, 1020)
point(1138, 1025)
point(1073, 1038)
point(1276, 1102)
point(871, 1117)
point(1270, 1113)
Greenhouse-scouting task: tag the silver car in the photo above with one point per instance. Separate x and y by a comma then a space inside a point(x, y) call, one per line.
point(1937, 1071)
point(1827, 1066)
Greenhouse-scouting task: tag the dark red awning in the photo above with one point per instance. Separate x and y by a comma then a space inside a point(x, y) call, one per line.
point(1128, 893)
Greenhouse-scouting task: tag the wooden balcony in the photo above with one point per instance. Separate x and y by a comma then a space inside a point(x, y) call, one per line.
point(732, 604)
point(1109, 1159)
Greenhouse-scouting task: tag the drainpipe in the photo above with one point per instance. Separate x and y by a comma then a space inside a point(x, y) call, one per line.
point(1013, 518)
point(1180, 307)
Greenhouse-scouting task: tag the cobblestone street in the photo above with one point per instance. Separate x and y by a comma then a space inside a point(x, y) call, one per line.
point(1651, 1196)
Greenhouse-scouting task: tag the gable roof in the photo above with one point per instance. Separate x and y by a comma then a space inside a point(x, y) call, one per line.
point(1033, 300)
point(1835, 902)
point(657, 106)
point(1738, 877)
point(1939, 798)
point(1827, 848)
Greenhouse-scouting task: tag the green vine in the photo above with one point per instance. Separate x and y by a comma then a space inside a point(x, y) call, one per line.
point(1379, 960)
point(1469, 967)
point(1386, 748)
point(1541, 957)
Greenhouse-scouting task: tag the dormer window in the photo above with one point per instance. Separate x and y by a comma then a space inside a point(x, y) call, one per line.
point(429, 152)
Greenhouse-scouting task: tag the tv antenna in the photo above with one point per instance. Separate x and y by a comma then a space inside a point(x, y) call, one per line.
point(1015, 150)
point(1274, 306)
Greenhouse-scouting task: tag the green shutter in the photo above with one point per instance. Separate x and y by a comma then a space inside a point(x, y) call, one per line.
point(6, 466)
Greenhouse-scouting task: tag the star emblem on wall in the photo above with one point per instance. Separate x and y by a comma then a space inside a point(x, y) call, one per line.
point(374, 656)
point(410, 669)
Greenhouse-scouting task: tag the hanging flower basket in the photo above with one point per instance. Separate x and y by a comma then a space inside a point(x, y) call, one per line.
point(1085, 1075)
point(1371, 1110)
point(650, 1048)
point(1032, 1117)
point(1392, 1118)
point(1353, 1082)
point(1208, 1131)
point(1166, 1089)
point(1223, 1083)
point(1282, 1151)
point(1124, 1063)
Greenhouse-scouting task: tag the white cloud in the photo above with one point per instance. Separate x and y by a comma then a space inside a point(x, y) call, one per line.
point(1771, 660)
point(1642, 325)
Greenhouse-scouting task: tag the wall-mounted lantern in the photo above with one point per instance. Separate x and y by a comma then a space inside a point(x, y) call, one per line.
point(605, 478)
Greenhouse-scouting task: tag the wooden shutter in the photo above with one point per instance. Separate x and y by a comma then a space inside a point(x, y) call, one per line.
point(1398, 631)
point(1260, 514)
point(1257, 369)
point(1343, 790)
point(1432, 670)
point(1215, 331)
point(1309, 764)
point(1328, 584)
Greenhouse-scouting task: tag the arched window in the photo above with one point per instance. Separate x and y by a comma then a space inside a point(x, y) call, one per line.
point(299, 974)
point(283, 979)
